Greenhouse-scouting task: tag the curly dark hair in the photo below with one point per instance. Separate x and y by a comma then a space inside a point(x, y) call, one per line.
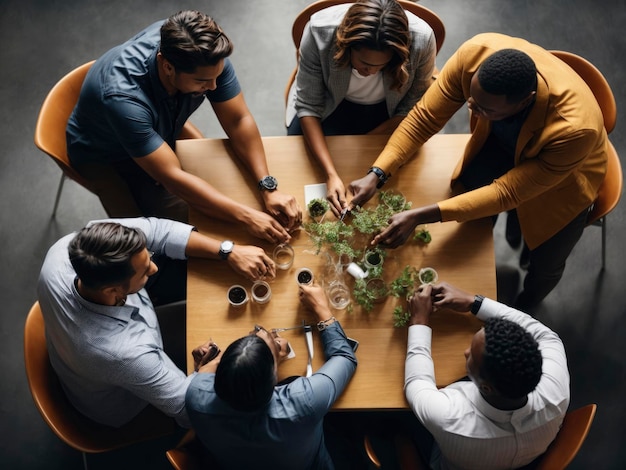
point(512, 361)
point(191, 39)
point(508, 72)
point(101, 254)
point(245, 377)
point(378, 25)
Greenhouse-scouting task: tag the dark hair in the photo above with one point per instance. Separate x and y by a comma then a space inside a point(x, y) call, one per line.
point(191, 39)
point(512, 360)
point(101, 254)
point(379, 25)
point(508, 72)
point(245, 377)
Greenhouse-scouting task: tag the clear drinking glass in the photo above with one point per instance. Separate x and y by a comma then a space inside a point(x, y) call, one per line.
point(261, 292)
point(338, 294)
point(304, 276)
point(283, 256)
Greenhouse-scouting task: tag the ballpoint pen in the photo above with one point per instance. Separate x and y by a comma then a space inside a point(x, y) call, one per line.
point(308, 333)
point(279, 330)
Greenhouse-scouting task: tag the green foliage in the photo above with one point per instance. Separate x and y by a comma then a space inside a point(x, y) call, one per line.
point(318, 207)
point(400, 317)
point(334, 234)
point(406, 280)
point(365, 295)
point(422, 235)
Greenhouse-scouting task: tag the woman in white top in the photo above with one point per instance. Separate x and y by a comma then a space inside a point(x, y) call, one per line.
point(362, 67)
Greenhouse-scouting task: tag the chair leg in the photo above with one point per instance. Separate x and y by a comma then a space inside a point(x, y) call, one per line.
point(603, 242)
point(58, 197)
point(85, 461)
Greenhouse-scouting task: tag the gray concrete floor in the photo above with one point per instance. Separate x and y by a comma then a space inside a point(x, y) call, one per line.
point(43, 39)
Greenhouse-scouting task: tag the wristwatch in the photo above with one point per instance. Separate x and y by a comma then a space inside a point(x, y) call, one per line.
point(268, 183)
point(321, 326)
point(382, 177)
point(225, 248)
point(478, 301)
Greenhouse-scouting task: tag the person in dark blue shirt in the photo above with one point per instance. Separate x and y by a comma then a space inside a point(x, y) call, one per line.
point(132, 107)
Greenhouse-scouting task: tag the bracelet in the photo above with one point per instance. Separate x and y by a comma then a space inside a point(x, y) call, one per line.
point(321, 326)
point(382, 177)
point(478, 301)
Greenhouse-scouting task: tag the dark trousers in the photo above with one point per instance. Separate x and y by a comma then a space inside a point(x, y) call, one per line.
point(348, 119)
point(547, 261)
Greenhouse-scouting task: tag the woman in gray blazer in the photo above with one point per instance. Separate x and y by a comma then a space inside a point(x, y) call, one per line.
point(362, 67)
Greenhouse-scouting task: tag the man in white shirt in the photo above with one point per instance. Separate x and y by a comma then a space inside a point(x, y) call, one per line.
point(512, 407)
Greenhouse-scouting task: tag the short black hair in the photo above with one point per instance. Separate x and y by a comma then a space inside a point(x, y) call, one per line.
point(101, 254)
point(512, 361)
point(246, 376)
point(508, 72)
point(191, 39)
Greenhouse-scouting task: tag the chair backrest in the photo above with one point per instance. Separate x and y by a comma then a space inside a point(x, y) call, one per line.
point(190, 454)
point(568, 441)
point(68, 424)
point(53, 116)
point(304, 16)
point(596, 82)
point(610, 191)
point(424, 13)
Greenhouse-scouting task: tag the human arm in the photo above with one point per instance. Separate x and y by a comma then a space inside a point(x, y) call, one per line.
point(164, 167)
point(331, 379)
point(314, 136)
point(241, 128)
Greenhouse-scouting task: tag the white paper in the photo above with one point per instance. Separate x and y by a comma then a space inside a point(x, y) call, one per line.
point(314, 191)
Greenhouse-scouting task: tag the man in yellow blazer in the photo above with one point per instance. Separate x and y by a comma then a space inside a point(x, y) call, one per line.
point(538, 146)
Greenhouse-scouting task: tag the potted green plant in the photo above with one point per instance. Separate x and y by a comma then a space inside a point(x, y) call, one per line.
point(318, 207)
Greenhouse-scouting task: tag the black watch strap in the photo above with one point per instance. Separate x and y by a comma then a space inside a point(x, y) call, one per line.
point(478, 301)
point(382, 177)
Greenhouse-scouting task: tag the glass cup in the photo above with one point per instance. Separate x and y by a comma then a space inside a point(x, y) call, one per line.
point(304, 277)
point(427, 276)
point(237, 295)
point(261, 292)
point(283, 256)
point(338, 294)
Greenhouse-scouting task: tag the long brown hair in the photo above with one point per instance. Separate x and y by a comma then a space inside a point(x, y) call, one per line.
point(379, 25)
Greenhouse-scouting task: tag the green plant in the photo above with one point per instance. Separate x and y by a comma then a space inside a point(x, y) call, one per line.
point(396, 202)
point(422, 235)
point(400, 317)
point(366, 293)
point(400, 286)
point(334, 234)
point(318, 207)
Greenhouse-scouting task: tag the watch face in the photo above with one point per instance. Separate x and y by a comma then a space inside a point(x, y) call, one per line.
point(226, 246)
point(269, 183)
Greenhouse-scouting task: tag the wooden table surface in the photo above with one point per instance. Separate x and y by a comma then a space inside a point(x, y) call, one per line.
point(462, 254)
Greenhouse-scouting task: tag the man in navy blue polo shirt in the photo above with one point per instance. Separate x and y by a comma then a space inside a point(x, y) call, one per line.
point(132, 107)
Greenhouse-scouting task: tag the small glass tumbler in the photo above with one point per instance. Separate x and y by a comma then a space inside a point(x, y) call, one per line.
point(427, 276)
point(237, 295)
point(261, 292)
point(338, 294)
point(304, 277)
point(283, 256)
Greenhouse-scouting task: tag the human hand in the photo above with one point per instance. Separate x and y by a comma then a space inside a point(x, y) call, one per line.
point(421, 305)
point(284, 208)
point(314, 299)
point(363, 189)
point(336, 194)
point(264, 226)
point(400, 228)
point(251, 262)
point(204, 354)
point(447, 296)
point(402, 225)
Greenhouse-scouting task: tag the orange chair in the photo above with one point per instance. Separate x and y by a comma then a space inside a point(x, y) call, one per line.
point(303, 17)
point(558, 456)
point(66, 422)
point(52, 121)
point(190, 454)
point(610, 191)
